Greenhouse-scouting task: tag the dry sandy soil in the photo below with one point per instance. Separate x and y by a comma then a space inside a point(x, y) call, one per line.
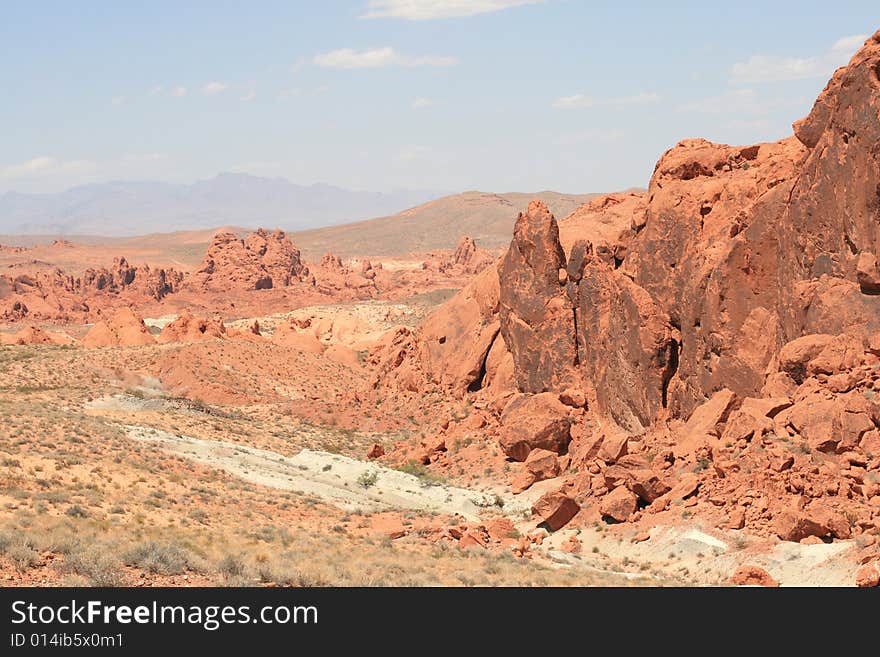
point(110, 475)
point(108, 478)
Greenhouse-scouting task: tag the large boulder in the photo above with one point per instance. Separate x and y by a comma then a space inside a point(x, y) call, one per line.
point(816, 520)
point(619, 504)
point(534, 422)
point(555, 509)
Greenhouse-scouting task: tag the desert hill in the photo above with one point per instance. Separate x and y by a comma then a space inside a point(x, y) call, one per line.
point(486, 217)
point(438, 224)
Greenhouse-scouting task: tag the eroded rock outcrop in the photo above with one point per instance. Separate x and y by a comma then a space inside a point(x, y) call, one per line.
point(52, 294)
point(261, 261)
point(536, 314)
point(723, 329)
point(35, 335)
point(189, 328)
point(123, 329)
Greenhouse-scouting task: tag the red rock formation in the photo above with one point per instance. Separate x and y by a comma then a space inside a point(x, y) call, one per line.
point(752, 576)
point(536, 314)
point(465, 251)
point(35, 335)
point(261, 261)
point(189, 328)
point(289, 336)
point(55, 295)
point(868, 576)
point(555, 509)
point(335, 279)
point(466, 259)
point(532, 422)
point(152, 284)
point(724, 331)
point(123, 329)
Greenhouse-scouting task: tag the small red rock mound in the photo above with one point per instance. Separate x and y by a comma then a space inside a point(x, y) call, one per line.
point(331, 262)
point(36, 335)
point(365, 279)
point(458, 348)
point(336, 279)
point(123, 329)
point(752, 576)
point(252, 333)
point(288, 335)
point(467, 258)
point(189, 328)
point(261, 261)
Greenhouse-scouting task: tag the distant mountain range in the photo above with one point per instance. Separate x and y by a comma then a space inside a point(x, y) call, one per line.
point(117, 209)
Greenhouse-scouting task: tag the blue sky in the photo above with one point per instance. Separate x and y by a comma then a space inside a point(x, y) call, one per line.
point(497, 95)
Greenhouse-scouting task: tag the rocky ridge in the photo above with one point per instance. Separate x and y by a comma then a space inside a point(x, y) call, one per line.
point(709, 348)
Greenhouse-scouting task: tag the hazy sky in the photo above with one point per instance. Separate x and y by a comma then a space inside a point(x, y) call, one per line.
point(500, 95)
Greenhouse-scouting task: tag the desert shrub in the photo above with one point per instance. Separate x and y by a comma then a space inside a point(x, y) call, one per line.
point(97, 565)
point(232, 566)
point(7, 540)
point(426, 477)
point(161, 558)
point(76, 511)
point(22, 556)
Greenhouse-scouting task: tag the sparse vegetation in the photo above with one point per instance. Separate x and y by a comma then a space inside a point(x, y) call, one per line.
point(419, 470)
point(161, 558)
point(97, 564)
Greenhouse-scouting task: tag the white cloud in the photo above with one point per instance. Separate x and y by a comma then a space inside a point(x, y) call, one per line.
point(419, 103)
point(425, 10)
point(740, 102)
point(774, 68)
point(347, 58)
point(849, 44)
point(179, 92)
point(44, 166)
point(117, 100)
point(249, 96)
point(579, 101)
point(214, 88)
point(49, 173)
